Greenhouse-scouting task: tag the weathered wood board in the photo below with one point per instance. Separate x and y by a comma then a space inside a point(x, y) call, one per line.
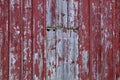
point(59, 39)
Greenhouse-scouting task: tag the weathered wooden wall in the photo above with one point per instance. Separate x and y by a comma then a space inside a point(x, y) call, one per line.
point(59, 39)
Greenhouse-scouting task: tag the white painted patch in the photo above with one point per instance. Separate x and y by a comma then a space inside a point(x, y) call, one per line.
point(58, 12)
point(1, 72)
point(18, 32)
point(118, 78)
point(48, 16)
point(106, 68)
point(28, 4)
point(25, 19)
point(110, 6)
point(40, 8)
point(102, 23)
point(1, 39)
point(36, 56)
point(85, 60)
point(71, 13)
point(25, 51)
point(108, 44)
point(93, 6)
point(35, 77)
point(13, 59)
point(83, 27)
point(12, 2)
point(64, 11)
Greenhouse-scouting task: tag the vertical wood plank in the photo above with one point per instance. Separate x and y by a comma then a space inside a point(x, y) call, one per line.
point(84, 42)
point(95, 39)
point(4, 56)
point(15, 40)
point(59, 54)
point(59, 50)
point(51, 40)
point(6, 42)
point(72, 39)
point(48, 12)
point(64, 13)
point(1, 61)
point(29, 51)
point(51, 55)
point(39, 40)
point(1, 52)
point(1, 37)
point(64, 16)
point(72, 55)
point(61, 44)
point(107, 40)
point(75, 39)
point(117, 38)
point(65, 53)
point(27, 39)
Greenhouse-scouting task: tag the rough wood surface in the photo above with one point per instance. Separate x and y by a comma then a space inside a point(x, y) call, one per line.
point(4, 40)
point(84, 40)
point(59, 39)
point(27, 39)
point(95, 40)
point(15, 40)
point(39, 39)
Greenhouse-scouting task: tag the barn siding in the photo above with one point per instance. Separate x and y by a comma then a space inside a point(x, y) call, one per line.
point(59, 40)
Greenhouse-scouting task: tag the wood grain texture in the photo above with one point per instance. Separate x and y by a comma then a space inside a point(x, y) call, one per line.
point(59, 40)
point(39, 39)
point(84, 40)
point(4, 56)
point(15, 26)
point(59, 49)
point(95, 40)
point(106, 40)
point(51, 40)
point(72, 40)
point(27, 40)
point(117, 39)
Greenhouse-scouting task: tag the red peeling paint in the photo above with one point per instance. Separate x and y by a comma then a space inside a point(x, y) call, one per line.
point(59, 39)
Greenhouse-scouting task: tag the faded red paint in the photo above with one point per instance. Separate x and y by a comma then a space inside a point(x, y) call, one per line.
point(59, 40)
point(39, 36)
point(95, 39)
